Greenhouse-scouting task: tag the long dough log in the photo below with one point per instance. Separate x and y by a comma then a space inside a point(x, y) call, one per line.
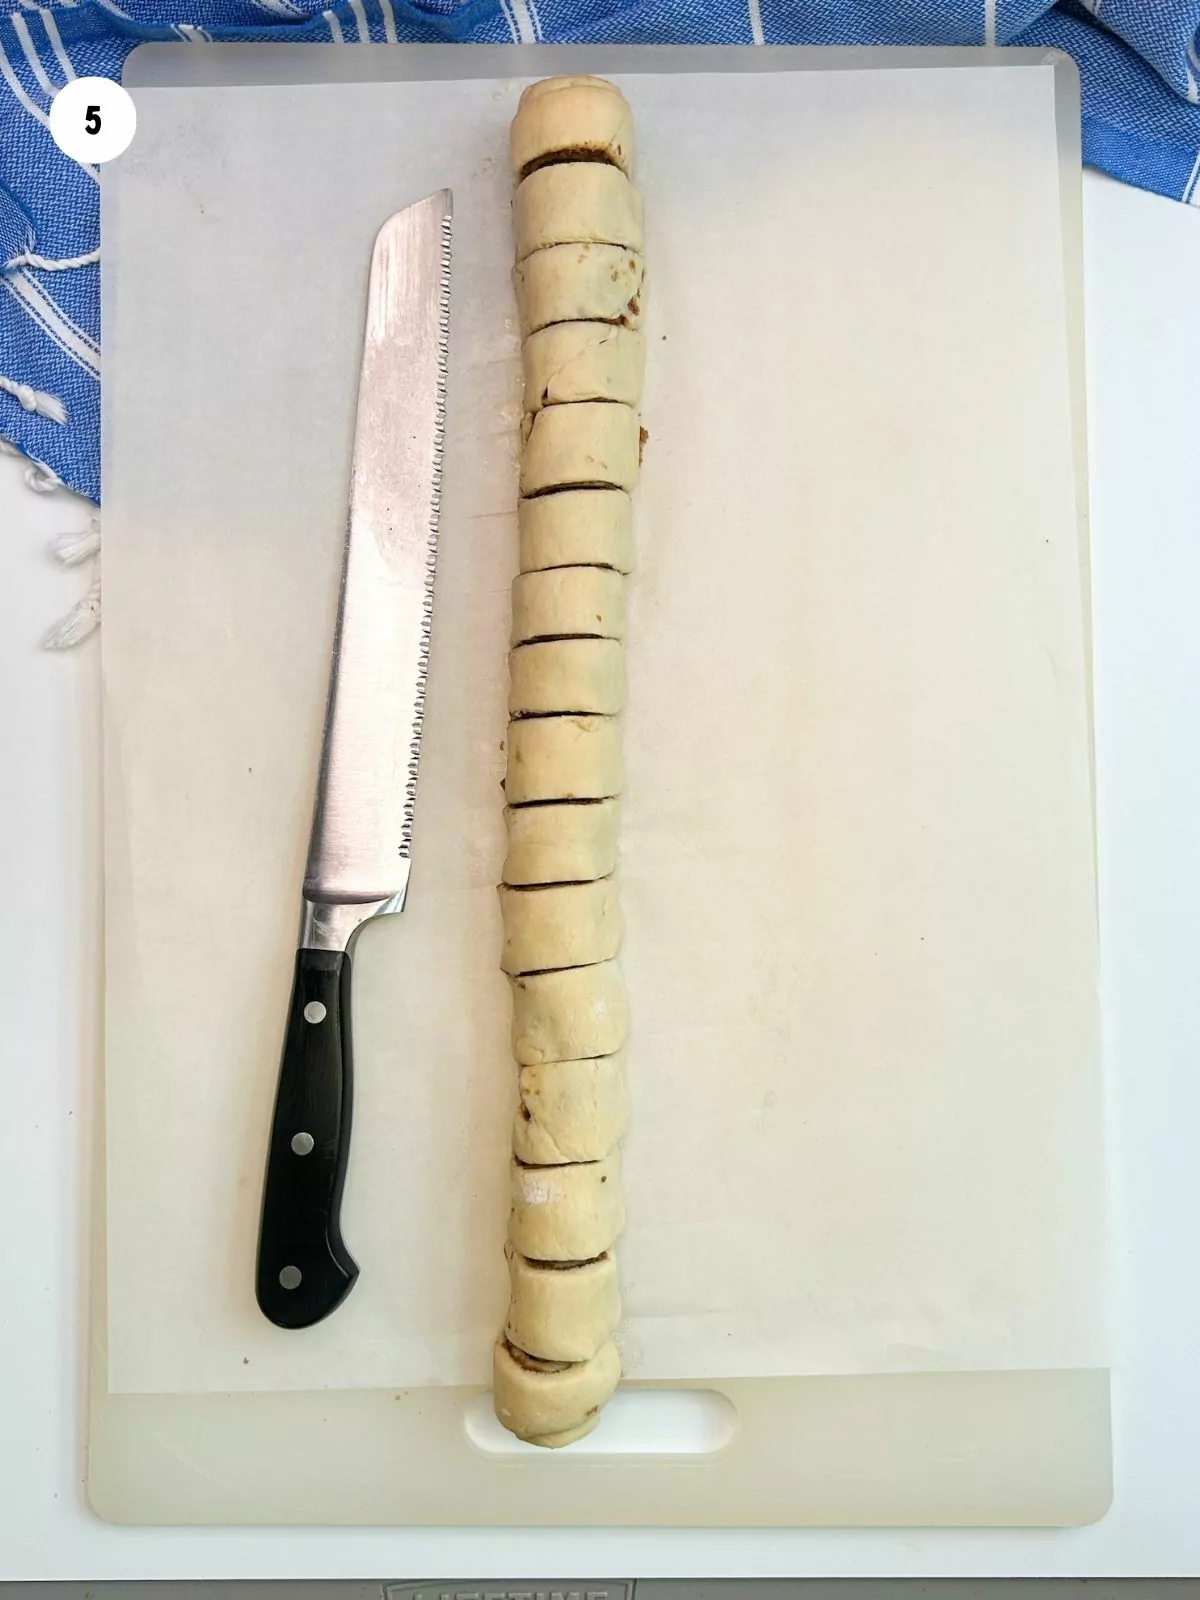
point(564, 925)
point(577, 202)
point(566, 1213)
point(571, 1110)
point(559, 1313)
point(567, 1016)
point(552, 1403)
point(573, 361)
point(584, 118)
point(580, 283)
point(578, 527)
point(561, 843)
point(591, 445)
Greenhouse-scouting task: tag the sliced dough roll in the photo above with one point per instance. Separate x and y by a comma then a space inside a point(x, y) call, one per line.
point(571, 361)
point(576, 202)
point(571, 1110)
point(567, 675)
point(580, 283)
point(563, 925)
point(570, 1015)
point(579, 527)
point(585, 118)
point(590, 445)
point(568, 602)
point(566, 1213)
point(562, 1313)
point(561, 843)
point(563, 758)
point(552, 1403)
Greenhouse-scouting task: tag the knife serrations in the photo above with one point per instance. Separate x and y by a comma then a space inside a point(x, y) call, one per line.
point(414, 753)
point(361, 840)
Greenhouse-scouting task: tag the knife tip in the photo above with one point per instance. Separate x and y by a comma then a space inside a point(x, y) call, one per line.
point(441, 200)
point(439, 204)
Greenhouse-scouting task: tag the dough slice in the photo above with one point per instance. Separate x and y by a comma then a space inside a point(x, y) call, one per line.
point(562, 1313)
point(568, 602)
point(564, 925)
point(590, 445)
point(571, 361)
point(561, 843)
point(576, 202)
point(574, 675)
point(563, 758)
point(579, 527)
point(580, 283)
point(571, 1110)
point(585, 118)
point(552, 1403)
point(570, 1015)
point(566, 1213)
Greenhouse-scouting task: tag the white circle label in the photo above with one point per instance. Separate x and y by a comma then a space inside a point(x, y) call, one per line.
point(92, 119)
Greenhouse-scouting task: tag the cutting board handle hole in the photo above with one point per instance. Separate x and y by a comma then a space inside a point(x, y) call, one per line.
point(636, 1422)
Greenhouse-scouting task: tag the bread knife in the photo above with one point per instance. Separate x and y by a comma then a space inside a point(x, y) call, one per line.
point(360, 847)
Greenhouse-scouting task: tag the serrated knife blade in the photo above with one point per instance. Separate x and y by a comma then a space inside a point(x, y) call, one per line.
point(361, 842)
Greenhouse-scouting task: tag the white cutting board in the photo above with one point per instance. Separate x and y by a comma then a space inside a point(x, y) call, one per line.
point(922, 1408)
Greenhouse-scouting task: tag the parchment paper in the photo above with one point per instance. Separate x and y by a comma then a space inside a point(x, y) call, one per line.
point(857, 843)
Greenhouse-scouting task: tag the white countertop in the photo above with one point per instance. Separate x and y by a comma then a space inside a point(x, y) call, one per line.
point(1143, 265)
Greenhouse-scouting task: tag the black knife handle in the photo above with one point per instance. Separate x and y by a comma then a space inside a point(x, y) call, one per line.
point(304, 1270)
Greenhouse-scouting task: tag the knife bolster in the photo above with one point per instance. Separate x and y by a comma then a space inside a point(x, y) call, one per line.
point(332, 924)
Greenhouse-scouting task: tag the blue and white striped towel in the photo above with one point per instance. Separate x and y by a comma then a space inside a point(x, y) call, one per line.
point(1139, 61)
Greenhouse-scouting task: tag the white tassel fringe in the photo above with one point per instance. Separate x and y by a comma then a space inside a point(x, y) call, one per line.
point(36, 400)
point(48, 264)
point(72, 550)
point(79, 623)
